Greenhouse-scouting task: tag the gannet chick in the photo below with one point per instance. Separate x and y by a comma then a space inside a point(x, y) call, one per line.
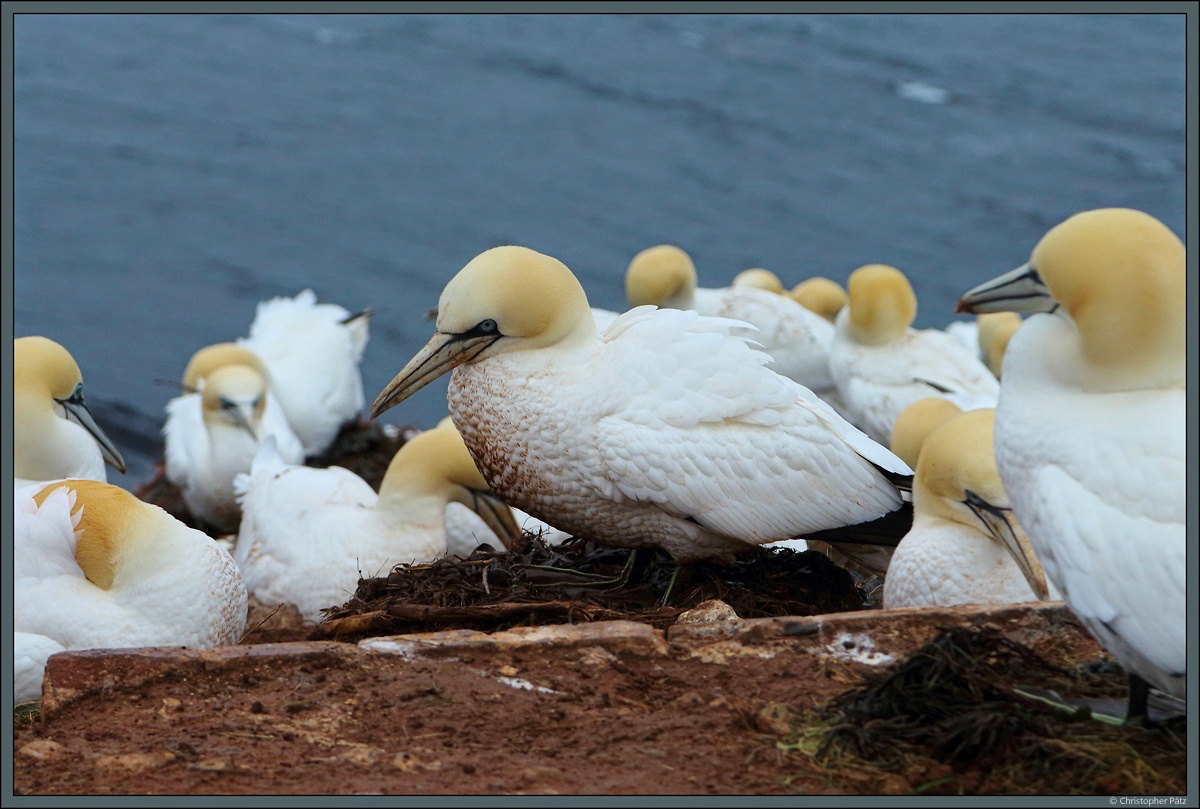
point(54, 435)
point(307, 534)
point(820, 295)
point(758, 278)
point(1090, 437)
point(312, 351)
point(666, 431)
point(94, 567)
point(965, 546)
point(212, 436)
point(882, 365)
point(796, 339)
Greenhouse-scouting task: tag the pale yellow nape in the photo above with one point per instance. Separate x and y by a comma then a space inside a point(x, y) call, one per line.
point(44, 367)
point(995, 329)
point(881, 302)
point(210, 358)
point(759, 278)
point(821, 295)
point(1121, 275)
point(528, 294)
point(958, 454)
point(431, 462)
point(915, 423)
point(660, 276)
point(108, 516)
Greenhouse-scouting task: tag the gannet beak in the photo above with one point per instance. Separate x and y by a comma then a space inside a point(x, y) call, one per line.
point(496, 514)
point(995, 520)
point(443, 352)
point(77, 411)
point(1019, 290)
point(238, 416)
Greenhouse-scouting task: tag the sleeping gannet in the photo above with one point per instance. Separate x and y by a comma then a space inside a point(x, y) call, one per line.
point(820, 295)
point(212, 436)
point(311, 351)
point(1090, 437)
point(965, 547)
point(307, 534)
point(796, 339)
point(54, 435)
point(881, 364)
point(662, 431)
point(94, 567)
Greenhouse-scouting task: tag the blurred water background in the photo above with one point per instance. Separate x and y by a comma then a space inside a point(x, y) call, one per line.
point(173, 170)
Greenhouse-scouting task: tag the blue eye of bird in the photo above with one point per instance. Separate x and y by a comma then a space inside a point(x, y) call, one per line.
point(487, 326)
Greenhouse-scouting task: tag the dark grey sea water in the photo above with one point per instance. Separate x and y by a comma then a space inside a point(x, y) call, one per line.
point(173, 170)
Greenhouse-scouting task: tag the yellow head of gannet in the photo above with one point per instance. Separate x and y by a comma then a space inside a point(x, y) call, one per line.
point(234, 396)
point(661, 276)
point(54, 435)
point(881, 302)
point(98, 568)
point(759, 278)
point(820, 295)
point(1119, 275)
point(210, 358)
point(995, 329)
point(916, 422)
point(959, 509)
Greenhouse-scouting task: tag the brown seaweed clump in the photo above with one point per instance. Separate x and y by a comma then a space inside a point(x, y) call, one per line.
point(535, 583)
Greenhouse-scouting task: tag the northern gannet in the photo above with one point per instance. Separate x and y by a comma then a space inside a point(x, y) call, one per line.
point(312, 352)
point(796, 339)
point(54, 435)
point(663, 431)
point(94, 567)
point(308, 534)
point(881, 364)
point(1090, 437)
point(965, 546)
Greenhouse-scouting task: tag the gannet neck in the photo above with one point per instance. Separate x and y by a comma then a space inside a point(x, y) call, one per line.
point(1120, 275)
point(820, 295)
point(881, 304)
point(759, 278)
point(915, 423)
point(662, 276)
point(210, 358)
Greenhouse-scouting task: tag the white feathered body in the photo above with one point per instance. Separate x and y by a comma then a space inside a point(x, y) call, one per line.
point(796, 339)
point(1098, 482)
point(665, 431)
point(876, 382)
point(307, 535)
point(312, 358)
point(187, 592)
point(203, 459)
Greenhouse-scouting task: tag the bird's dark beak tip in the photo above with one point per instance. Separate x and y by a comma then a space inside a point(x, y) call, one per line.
point(962, 308)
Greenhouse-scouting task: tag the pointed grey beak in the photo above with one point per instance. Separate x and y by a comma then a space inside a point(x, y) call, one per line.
point(235, 412)
point(443, 352)
point(1019, 290)
point(997, 522)
point(77, 411)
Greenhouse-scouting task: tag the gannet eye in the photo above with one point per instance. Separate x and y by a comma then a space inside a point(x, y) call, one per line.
point(487, 326)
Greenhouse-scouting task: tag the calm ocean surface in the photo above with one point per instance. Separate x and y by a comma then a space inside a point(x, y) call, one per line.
point(173, 170)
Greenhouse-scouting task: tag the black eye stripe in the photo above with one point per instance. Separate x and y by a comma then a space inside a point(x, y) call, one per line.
point(484, 328)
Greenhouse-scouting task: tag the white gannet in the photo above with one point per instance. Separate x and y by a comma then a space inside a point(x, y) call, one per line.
point(882, 365)
point(965, 547)
point(94, 567)
point(1090, 437)
point(797, 340)
point(54, 435)
point(312, 352)
point(821, 295)
point(308, 534)
point(212, 436)
point(663, 431)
